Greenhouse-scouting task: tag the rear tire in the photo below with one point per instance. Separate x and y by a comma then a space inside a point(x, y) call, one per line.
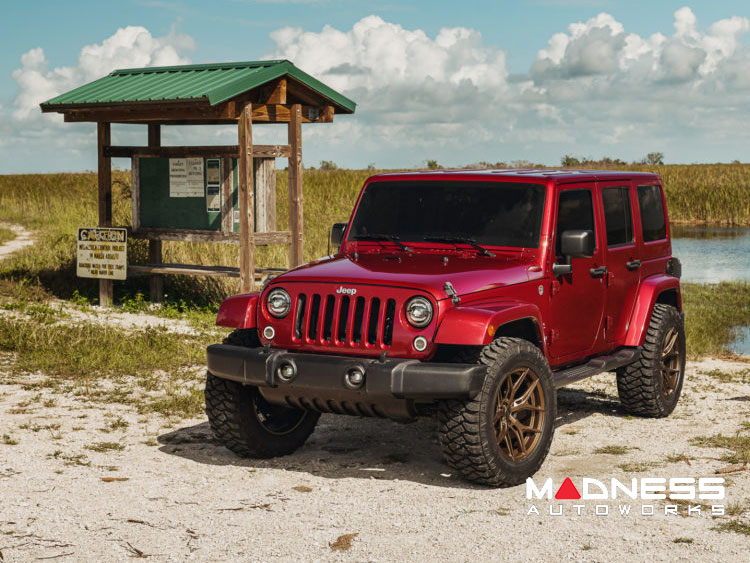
point(502, 436)
point(651, 386)
point(245, 422)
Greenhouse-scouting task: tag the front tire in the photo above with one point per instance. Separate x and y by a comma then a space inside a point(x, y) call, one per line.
point(245, 422)
point(502, 436)
point(651, 386)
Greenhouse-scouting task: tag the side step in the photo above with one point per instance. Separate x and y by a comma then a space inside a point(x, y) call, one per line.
point(595, 366)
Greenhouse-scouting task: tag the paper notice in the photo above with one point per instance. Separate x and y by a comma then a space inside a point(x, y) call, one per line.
point(186, 177)
point(213, 171)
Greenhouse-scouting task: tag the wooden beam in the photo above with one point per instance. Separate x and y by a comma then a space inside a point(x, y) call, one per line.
point(154, 135)
point(217, 151)
point(296, 251)
point(276, 93)
point(227, 188)
point(156, 284)
point(103, 135)
point(196, 270)
point(271, 151)
point(222, 113)
point(327, 114)
point(197, 235)
point(245, 199)
point(135, 192)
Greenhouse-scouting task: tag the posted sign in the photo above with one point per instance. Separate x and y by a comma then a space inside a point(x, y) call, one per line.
point(102, 253)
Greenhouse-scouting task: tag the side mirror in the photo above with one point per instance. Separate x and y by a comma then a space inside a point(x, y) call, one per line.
point(574, 244)
point(337, 233)
point(577, 244)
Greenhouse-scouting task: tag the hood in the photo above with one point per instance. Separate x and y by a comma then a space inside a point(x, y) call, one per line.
point(467, 272)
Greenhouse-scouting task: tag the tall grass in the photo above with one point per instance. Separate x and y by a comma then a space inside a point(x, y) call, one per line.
point(704, 193)
point(55, 205)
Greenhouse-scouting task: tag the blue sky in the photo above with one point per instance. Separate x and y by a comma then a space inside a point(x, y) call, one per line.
point(432, 81)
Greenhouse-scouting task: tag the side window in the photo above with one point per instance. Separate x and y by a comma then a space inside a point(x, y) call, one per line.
point(575, 211)
point(618, 217)
point(652, 213)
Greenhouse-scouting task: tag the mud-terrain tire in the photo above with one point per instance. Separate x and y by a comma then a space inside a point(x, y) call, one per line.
point(245, 422)
point(478, 436)
point(651, 386)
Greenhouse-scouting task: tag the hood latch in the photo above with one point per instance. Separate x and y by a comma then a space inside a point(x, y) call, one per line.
point(450, 291)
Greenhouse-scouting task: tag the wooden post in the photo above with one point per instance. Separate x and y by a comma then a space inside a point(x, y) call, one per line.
point(103, 135)
point(246, 193)
point(156, 288)
point(227, 205)
point(295, 185)
point(265, 194)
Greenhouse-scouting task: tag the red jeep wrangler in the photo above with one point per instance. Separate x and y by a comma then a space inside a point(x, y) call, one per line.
point(473, 293)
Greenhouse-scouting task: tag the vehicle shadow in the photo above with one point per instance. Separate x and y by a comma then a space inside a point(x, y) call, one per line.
point(368, 448)
point(577, 404)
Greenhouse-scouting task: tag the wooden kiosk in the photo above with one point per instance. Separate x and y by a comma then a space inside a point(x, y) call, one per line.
point(238, 202)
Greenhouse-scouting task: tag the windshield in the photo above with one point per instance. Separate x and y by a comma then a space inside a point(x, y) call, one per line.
point(488, 213)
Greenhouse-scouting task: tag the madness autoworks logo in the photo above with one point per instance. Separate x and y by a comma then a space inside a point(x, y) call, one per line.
point(678, 495)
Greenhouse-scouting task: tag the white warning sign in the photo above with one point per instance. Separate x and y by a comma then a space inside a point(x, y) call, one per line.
point(102, 253)
point(186, 177)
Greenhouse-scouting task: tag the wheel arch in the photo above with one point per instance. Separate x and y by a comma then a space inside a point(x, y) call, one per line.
point(480, 325)
point(660, 288)
point(238, 311)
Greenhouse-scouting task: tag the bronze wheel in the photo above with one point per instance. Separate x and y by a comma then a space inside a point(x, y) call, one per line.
point(651, 385)
point(519, 414)
point(502, 435)
point(670, 362)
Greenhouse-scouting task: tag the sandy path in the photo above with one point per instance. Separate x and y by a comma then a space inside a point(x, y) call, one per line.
point(23, 238)
point(182, 496)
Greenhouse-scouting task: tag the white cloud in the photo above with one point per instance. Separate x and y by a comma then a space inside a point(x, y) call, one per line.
point(600, 46)
point(449, 95)
point(131, 46)
point(63, 146)
point(396, 73)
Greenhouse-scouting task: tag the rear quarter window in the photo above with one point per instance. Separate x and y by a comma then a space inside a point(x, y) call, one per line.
point(653, 220)
point(617, 216)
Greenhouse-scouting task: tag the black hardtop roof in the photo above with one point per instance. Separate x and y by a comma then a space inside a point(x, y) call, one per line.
point(558, 175)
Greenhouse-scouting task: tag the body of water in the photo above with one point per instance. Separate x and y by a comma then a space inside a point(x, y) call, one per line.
point(714, 254)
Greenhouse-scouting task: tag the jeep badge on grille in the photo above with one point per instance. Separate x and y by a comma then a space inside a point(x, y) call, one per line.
point(346, 290)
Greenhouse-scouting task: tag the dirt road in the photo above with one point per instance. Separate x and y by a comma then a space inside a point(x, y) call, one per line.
point(102, 483)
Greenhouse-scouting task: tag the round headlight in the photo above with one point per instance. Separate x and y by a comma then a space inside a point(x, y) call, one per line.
point(419, 311)
point(279, 303)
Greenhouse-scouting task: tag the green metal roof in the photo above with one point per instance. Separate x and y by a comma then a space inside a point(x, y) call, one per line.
point(215, 83)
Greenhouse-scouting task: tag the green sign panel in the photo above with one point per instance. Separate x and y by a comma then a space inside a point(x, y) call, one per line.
point(184, 193)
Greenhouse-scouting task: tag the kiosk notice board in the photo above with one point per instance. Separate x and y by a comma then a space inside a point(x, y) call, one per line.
point(184, 193)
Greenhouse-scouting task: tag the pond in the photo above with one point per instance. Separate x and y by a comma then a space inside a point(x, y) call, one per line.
point(714, 254)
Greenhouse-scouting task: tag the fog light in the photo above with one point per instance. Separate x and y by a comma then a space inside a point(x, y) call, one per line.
point(354, 378)
point(269, 333)
point(420, 343)
point(286, 371)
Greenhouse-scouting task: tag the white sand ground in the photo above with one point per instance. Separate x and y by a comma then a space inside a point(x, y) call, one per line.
point(172, 493)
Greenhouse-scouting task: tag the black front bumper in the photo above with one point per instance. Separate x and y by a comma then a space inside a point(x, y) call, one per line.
point(391, 387)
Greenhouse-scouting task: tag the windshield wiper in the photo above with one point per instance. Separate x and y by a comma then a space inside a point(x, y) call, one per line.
point(461, 240)
point(390, 238)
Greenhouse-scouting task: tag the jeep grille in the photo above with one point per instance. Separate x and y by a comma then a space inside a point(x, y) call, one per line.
point(353, 321)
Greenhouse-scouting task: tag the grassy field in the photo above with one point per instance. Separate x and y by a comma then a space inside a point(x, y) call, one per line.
point(6, 235)
point(711, 312)
point(55, 205)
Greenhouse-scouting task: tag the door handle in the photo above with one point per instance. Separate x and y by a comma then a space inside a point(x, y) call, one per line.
point(633, 264)
point(598, 272)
